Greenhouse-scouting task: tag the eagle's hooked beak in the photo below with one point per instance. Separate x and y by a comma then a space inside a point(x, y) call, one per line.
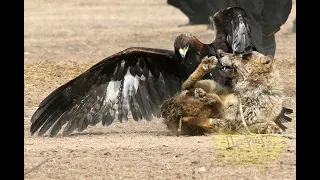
point(183, 51)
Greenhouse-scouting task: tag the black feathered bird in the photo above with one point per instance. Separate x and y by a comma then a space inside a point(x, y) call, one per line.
point(135, 81)
point(233, 33)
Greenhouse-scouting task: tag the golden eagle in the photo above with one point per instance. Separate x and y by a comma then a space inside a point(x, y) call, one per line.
point(137, 80)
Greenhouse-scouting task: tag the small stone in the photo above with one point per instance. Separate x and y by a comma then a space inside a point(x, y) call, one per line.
point(200, 169)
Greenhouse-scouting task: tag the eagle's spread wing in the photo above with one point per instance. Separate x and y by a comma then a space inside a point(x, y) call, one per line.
point(136, 81)
point(231, 22)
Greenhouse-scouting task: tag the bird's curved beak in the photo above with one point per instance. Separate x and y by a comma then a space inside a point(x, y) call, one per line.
point(183, 51)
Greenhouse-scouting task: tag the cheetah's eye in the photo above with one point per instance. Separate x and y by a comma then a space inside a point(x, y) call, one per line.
point(267, 62)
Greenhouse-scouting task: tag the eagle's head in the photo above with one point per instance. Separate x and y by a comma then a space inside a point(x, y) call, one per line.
point(190, 51)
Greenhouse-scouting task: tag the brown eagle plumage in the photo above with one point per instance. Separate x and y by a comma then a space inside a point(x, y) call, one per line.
point(135, 81)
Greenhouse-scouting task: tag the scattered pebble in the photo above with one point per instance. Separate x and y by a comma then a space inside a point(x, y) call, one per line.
point(200, 169)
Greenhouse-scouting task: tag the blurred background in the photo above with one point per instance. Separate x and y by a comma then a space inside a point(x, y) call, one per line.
point(83, 29)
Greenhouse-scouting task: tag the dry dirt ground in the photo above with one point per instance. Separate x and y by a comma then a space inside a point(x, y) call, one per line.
point(64, 38)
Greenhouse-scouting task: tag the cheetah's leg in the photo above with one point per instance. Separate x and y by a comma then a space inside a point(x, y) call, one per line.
point(207, 85)
point(204, 67)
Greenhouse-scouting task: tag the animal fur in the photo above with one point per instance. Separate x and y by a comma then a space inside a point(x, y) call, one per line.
point(205, 108)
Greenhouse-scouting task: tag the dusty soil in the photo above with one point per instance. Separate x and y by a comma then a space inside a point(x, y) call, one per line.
point(62, 39)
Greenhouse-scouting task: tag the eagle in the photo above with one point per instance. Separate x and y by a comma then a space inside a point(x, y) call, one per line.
point(137, 80)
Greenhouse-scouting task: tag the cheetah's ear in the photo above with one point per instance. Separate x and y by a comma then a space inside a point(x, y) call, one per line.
point(220, 53)
point(271, 59)
point(238, 56)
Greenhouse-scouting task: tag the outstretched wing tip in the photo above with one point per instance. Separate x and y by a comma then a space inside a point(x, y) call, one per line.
point(90, 98)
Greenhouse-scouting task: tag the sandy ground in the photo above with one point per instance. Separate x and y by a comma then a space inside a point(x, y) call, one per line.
point(62, 39)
